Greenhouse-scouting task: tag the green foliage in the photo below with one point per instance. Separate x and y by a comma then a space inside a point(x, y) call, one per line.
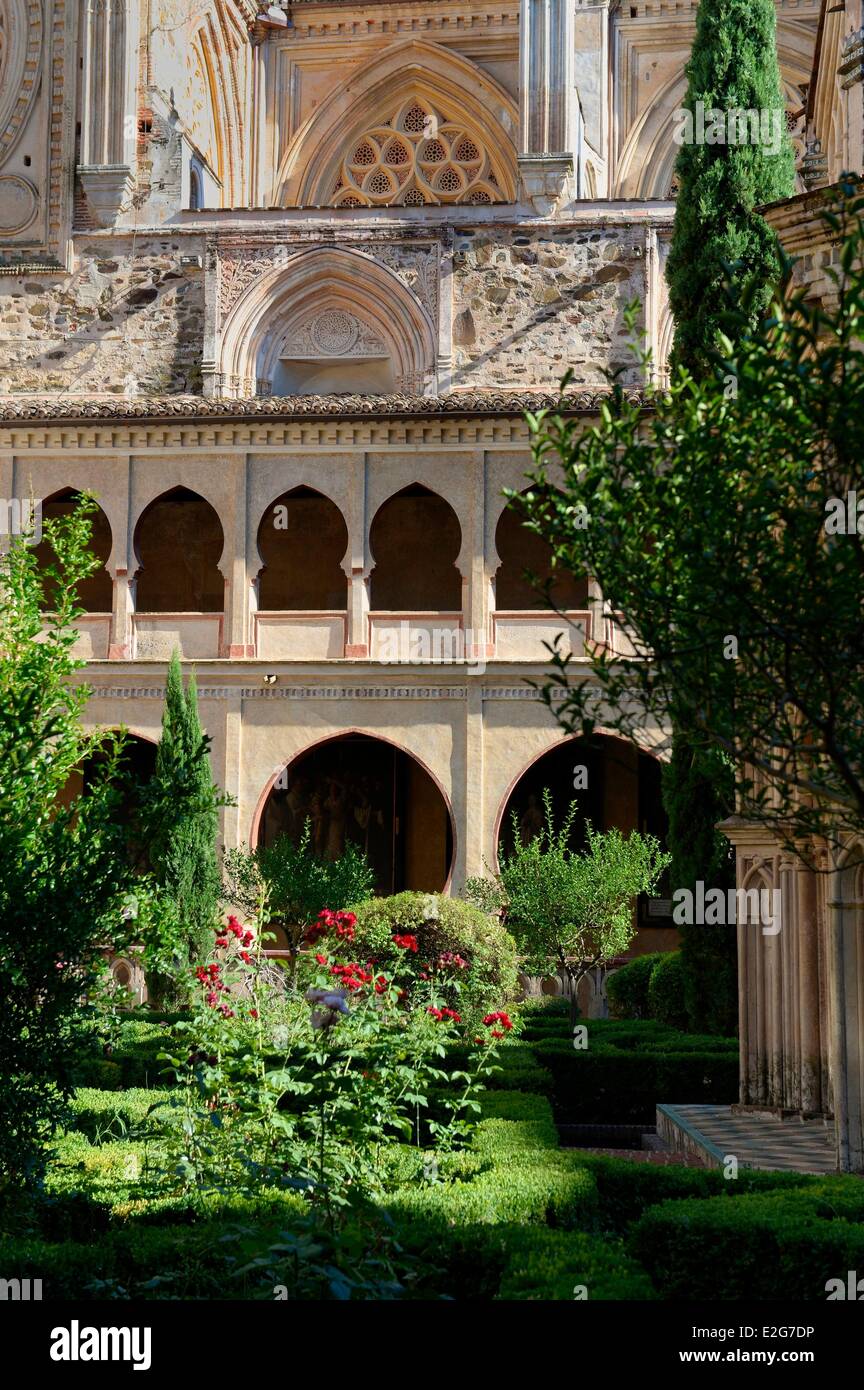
point(62, 867)
point(666, 991)
point(733, 67)
point(784, 1246)
point(179, 825)
point(627, 1189)
point(627, 987)
point(698, 793)
point(306, 1093)
point(722, 564)
point(574, 911)
point(444, 927)
point(625, 1069)
point(294, 882)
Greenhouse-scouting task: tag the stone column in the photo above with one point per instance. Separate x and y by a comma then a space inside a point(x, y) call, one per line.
point(236, 642)
point(549, 121)
point(475, 617)
point(109, 106)
point(356, 566)
point(591, 75)
point(120, 637)
point(847, 1027)
point(809, 993)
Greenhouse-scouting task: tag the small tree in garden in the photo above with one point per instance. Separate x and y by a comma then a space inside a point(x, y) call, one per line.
point(179, 823)
point(297, 884)
point(63, 864)
point(573, 911)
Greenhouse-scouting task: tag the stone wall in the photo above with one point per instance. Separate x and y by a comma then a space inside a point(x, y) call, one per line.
point(529, 303)
point(128, 320)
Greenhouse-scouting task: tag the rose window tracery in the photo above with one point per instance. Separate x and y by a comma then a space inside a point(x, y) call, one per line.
point(418, 157)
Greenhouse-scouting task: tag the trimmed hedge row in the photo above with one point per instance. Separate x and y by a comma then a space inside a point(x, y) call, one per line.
point(627, 1067)
point(762, 1246)
point(480, 1231)
point(624, 1087)
point(626, 1189)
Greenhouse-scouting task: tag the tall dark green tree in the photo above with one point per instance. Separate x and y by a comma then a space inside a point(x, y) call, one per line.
point(698, 793)
point(180, 816)
point(735, 156)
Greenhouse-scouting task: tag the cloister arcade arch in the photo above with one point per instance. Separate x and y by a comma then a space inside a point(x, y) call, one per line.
point(178, 545)
point(94, 593)
point(414, 541)
point(367, 791)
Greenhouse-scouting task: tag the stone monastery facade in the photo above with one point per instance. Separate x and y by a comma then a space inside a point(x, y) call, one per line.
point(277, 283)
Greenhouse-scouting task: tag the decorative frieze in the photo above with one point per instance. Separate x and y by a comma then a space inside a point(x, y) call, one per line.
point(287, 692)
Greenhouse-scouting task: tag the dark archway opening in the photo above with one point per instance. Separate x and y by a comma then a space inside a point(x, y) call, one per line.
point(361, 789)
point(178, 542)
point(136, 766)
point(526, 566)
point(95, 594)
point(302, 540)
point(415, 539)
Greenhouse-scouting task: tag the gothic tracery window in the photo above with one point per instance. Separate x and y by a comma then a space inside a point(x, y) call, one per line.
point(418, 157)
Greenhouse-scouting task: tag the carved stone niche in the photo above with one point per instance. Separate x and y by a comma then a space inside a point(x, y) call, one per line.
point(333, 350)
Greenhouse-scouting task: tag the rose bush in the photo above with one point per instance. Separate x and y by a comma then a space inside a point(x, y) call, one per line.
point(453, 954)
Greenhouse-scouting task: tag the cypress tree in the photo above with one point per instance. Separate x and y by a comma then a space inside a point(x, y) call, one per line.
point(184, 805)
point(698, 792)
point(733, 68)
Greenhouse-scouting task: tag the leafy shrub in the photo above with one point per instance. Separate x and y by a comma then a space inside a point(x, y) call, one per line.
point(783, 1246)
point(666, 991)
point(549, 1265)
point(444, 928)
point(627, 1188)
point(620, 1087)
point(109, 1115)
point(293, 883)
point(627, 987)
point(63, 871)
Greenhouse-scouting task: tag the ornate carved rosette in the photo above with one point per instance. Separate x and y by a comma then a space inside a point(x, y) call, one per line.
point(417, 157)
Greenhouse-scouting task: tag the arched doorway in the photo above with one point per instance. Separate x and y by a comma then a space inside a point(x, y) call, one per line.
point(524, 554)
point(364, 790)
point(302, 540)
point(136, 766)
point(178, 542)
point(94, 594)
point(415, 539)
point(613, 784)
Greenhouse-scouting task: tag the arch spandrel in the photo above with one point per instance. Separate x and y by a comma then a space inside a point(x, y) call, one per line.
point(468, 105)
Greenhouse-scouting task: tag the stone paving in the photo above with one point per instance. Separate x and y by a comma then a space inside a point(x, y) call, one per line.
point(757, 1141)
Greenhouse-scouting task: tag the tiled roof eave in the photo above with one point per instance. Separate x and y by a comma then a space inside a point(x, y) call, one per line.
point(176, 408)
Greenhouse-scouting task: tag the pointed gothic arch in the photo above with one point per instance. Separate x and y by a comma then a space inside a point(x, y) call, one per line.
point(466, 102)
point(326, 307)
